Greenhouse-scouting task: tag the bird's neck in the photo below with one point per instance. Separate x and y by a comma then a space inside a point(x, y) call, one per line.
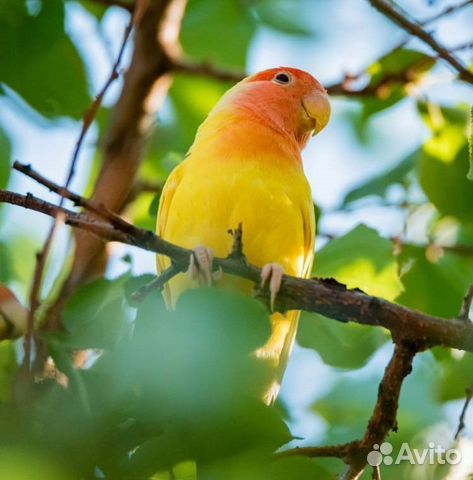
point(243, 134)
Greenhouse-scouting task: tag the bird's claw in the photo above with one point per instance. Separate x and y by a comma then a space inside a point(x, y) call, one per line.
point(200, 266)
point(272, 273)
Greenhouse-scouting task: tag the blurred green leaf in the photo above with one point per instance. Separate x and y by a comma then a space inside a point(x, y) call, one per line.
point(339, 344)
point(470, 147)
point(443, 163)
point(5, 153)
point(361, 259)
point(434, 286)
point(455, 377)
point(51, 75)
point(6, 267)
point(95, 316)
point(8, 368)
point(217, 32)
point(379, 184)
point(283, 16)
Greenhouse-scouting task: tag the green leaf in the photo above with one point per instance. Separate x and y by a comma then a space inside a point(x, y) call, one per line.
point(283, 16)
point(218, 32)
point(95, 316)
point(379, 185)
point(6, 264)
point(361, 259)
point(434, 286)
point(8, 368)
point(5, 153)
point(443, 163)
point(470, 147)
point(456, 372)
point(50, 76)
point(340, 345)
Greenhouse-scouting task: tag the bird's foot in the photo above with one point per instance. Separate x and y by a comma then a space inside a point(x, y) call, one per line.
point(200, 266)
point(272, 273)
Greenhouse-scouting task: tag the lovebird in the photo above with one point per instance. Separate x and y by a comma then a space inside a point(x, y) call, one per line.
point(245, 167)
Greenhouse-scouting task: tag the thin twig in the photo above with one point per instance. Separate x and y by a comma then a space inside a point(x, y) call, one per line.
point(100, 210)
point(447, 11)
point(41, 258)
point(326, 297)
point(461, 420)
point(414, 28)
point(157, 283)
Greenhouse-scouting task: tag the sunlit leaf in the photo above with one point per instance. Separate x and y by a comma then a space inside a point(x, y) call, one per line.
point(435, 286)
point(443, 163)
point(361, 259)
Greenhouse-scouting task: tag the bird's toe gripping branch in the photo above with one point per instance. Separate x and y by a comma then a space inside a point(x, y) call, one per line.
point(201, 266)
point(272, 274)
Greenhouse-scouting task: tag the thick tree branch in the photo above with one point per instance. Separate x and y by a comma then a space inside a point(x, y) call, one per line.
point(389, 10)
point(145, 85)
point(382, 421)
point(326, 297)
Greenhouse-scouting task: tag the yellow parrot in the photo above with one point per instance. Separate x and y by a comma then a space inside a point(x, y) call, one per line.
point(245, 167)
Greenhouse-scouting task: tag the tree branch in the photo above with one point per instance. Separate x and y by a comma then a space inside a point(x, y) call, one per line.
point(461, 420)
point(326, 297)
point(414, 28)
point(145, 85)
point(382, 421)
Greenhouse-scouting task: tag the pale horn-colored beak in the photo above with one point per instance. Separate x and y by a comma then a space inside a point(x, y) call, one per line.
point(317, 106)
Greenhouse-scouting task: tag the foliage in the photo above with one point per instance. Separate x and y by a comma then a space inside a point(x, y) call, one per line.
point(171, 395)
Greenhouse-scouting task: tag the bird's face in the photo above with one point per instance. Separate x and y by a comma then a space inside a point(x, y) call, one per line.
point(288, 98)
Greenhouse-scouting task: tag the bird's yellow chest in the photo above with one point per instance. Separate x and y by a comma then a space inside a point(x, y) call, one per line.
point(211, 199)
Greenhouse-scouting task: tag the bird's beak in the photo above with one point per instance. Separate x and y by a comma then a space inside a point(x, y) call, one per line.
point(317, 107)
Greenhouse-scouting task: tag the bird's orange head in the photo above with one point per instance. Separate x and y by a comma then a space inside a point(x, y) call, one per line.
point(287, 99)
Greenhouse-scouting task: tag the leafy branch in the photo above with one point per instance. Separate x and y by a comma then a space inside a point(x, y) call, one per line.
point(391, 11)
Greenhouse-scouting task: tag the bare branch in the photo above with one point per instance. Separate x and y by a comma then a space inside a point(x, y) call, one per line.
point(326, 297)
point(414, 28)
point(156, 284)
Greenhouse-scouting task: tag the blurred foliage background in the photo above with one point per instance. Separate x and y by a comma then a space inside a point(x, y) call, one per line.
point(167, 394)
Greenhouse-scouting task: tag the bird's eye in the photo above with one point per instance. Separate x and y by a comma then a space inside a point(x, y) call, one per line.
point(282, 78)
